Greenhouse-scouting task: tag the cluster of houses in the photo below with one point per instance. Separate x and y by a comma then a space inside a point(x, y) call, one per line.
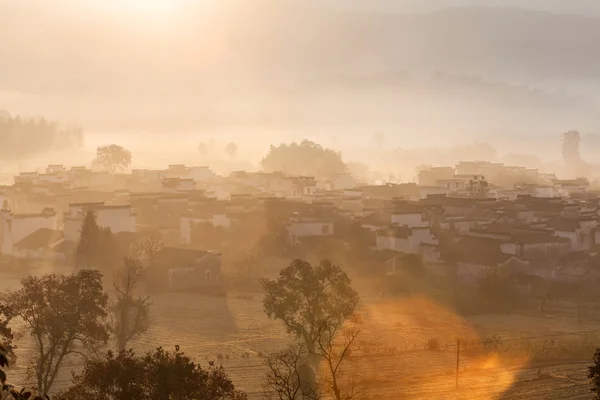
point(542, 229)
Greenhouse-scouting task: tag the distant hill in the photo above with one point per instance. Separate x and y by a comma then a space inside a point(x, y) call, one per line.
point(281, 42)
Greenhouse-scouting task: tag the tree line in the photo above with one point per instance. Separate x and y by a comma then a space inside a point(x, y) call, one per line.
point(23, 137)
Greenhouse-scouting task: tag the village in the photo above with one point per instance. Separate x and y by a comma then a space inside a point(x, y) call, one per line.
point(457, 220)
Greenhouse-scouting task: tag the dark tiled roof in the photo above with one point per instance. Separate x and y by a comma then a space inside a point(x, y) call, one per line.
point(41, 238)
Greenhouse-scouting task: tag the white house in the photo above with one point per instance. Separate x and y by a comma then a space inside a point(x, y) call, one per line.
point(409, 219)
point(188, 221)
point(304, 227)
point(404, 239)
point(15, 227)
point(175, 185)
point(118, 218)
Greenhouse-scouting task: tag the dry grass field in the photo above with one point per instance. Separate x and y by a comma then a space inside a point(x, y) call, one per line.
point(390, 356)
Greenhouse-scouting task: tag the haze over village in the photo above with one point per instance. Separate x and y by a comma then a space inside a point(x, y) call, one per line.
point(285, 200)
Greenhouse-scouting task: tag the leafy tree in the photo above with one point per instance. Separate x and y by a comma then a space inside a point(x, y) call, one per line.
point(65, 316)
point(112, 158)
point(97, 247)
point(594, 375)
point(157, 375)
point(315, 304)
point(305, 158)
point(478, 187)
point(130, 312)
point(231, 149)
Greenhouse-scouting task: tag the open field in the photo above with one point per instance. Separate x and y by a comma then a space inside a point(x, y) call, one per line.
point(391, 355)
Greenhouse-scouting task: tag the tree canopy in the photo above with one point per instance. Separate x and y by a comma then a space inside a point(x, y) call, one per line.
point(65, 315)
point(112, 158)
point(305, 158)
point(97, 247)
point(309, 299)
point(159, 374)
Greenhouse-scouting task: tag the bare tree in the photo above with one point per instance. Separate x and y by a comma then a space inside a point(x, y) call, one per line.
point(334, 347)
point(130, 312)
point(286, 376)
point(144, 250)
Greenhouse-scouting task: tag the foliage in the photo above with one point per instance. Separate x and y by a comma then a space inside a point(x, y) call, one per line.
point(130, 313)
point(309, 299)
point(65, 315)
point(156, 375)
point(315, 304)
point(112, 158)
point(287, 375)
point(478, 187)
point(97, 247)
point(594, 375)
point(25, 137)
point(231, 149)
point(306, 158)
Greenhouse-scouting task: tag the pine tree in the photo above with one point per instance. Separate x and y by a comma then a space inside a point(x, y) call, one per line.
point(87, 248)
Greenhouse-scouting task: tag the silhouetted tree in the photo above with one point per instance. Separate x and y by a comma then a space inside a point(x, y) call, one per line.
point(97, 247)
point(130, 311)
point(231, 149)
point(305, 158)
point(156, 375)
point(316, 304)
point(65, 315)
point(25, 137)
point(112, 158)
point(594, 375)
point(287, 375)
point(478, 187)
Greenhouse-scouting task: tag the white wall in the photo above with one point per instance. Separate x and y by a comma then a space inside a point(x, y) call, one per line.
point(304, 228)
point(14, 229)
point(410, 220)
point(118, 219)
point(402, 245)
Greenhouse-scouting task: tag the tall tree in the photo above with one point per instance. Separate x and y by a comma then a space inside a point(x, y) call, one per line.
point(157, 375)
point(315, 304)
point(65, 315)
point(112, 158)
point(231, 149)
point(97, 247)
point(130, 311)
point(305, 158)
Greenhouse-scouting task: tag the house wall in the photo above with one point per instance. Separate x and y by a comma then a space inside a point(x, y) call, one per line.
point(545, 192)
point(410, 220)
point(120, 219)
point(509, 248)
point(303, 229)
point(572, 236)
point(402, 245)
point(13, 229)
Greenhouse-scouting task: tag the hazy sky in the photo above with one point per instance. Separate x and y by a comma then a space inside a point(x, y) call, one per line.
point(207, 66)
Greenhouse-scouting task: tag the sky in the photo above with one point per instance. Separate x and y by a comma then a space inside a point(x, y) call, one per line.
point(262, 72)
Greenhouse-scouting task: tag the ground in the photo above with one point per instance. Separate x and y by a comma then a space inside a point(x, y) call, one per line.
point(391, 355)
